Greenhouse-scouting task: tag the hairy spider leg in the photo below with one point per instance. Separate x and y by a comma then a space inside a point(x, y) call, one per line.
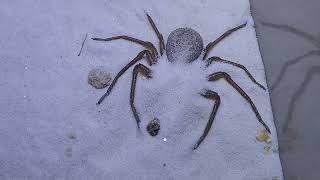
point(146, 44)
point(145, 71)
point(159, 35)
point(224, 35)
point(218, 75)
point(124, 69)
point(218, 59)
point(215, 97)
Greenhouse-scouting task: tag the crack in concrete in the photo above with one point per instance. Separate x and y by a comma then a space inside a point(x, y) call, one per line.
point(311, 72)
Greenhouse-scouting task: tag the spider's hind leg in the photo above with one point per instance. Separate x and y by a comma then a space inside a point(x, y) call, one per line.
point(145, 71)
point(213, 96)
point(219, 75)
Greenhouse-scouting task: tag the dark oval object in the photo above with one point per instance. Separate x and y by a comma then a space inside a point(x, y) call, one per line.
point(153, 127)
point(184, 45)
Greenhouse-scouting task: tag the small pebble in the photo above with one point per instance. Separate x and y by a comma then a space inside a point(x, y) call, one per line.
point(153, 127)
point(184, 45)
point(72, 136)
point(99, 78)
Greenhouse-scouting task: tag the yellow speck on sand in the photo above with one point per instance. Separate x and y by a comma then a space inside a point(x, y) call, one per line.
point(264, 136)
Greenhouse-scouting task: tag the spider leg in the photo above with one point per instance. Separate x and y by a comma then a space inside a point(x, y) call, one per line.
point(124, 69)
point(213, 96)
point(224, 35)
point(146, 44)
point(159, 35)
point(218, 75)
point(218, 59)
point(145, 71)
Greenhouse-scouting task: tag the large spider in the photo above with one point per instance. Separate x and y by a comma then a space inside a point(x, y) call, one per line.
point(152, 55)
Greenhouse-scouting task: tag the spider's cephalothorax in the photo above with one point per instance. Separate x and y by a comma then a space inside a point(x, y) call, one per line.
point(184, 45)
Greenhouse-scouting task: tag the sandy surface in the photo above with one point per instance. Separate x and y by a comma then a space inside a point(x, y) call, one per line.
point(50, 127)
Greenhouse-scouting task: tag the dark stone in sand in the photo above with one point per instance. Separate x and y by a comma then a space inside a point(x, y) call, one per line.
point(153, 127)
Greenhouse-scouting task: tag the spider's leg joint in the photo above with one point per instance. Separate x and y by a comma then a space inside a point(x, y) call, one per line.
point(218, 75)
point(209, 94)
point(144, 70)
point(226, 76)
point(215, 97)
point(203, 92)
point(211, 60)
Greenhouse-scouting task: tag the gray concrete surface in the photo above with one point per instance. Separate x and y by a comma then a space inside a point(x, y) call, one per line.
point(289, 38)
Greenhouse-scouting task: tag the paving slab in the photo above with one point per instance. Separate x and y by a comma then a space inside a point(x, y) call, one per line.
point(289, 40)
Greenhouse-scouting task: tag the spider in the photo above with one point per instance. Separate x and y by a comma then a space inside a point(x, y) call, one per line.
point(151, 55)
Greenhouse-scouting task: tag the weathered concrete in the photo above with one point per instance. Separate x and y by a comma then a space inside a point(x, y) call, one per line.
point(288, 35)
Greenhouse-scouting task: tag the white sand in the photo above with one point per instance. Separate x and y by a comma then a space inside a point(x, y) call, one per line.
point(50, 127)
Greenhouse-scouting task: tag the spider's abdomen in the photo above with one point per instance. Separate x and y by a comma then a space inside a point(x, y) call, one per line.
point(184, 45)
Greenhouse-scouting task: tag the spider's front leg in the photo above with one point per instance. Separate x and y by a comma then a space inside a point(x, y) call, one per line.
point(159, 35)
point(146, 44)
point(145, 71)
point(218, 75)
point(224, 35)
point(124, 69)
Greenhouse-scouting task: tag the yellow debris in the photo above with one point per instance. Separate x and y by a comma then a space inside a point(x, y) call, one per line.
point(264, 136)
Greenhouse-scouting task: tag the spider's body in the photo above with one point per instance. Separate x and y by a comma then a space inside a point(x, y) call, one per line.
point(183, 45)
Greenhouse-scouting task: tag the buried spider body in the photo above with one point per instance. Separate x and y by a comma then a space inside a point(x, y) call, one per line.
point(183, 45)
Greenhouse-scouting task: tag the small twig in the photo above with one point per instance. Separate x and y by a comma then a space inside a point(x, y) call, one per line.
point(82, 44)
